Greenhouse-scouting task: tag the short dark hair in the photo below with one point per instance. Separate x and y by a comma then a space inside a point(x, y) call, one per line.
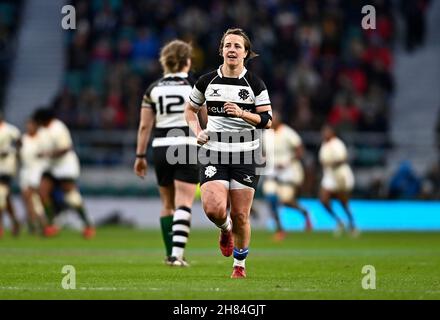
point(43, 115)
point(247, 43)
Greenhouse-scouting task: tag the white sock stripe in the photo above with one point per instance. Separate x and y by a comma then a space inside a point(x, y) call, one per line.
point(180, 239)
point(177, 252)
point(181, 227)
point(182, 215)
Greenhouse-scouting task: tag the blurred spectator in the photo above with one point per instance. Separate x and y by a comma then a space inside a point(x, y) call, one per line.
point(303, 118)
point(308, 52)
point(431, 183)
point(405, 184)
point(414, 12)
point(345, 114)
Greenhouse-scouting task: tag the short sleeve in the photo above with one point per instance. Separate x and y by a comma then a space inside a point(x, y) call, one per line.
point(197, 96)
point(147, 102)
point(15, 133)
point(62, 137)
point(340, 151)
point(260, 91)
point(294, 138)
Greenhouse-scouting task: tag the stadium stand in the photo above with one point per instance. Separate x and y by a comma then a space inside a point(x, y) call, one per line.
point(320, 67)
point(317, 49)
point(9, 23)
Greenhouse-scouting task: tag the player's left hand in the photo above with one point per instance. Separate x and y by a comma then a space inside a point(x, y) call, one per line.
point(233, 109)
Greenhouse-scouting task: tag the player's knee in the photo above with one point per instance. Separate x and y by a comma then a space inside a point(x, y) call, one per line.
point(239, 218)
point(214, 209)
point(73, 198)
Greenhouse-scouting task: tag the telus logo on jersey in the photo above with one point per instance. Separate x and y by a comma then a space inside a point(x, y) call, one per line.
point(218, 110)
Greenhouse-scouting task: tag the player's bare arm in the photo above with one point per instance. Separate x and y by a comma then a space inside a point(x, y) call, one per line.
point(145, 126)
point(299, 152)
point(194, 123)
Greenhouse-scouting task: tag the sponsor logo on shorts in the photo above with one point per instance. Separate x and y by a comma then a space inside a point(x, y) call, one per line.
point(248, 178)
point(210, 171)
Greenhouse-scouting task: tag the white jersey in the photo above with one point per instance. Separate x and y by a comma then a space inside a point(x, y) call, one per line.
point(340, 177)
point(280, 145)
point(33, 165)
point(247, 91)
point(9, 135)
point(280, 149)
point(58, 135)
point(167, 97)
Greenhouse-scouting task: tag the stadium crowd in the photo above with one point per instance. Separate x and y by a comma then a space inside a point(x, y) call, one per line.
point(320, 65)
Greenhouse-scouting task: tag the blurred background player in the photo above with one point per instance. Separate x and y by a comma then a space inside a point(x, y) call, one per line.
point(162, 108)
point(285, 175)
point(32, 166)
point(63, 169)
point(9, 138)
point(338, 178)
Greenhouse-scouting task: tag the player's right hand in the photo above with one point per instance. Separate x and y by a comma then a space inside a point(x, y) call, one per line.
point(140, 167)
point(202, 137)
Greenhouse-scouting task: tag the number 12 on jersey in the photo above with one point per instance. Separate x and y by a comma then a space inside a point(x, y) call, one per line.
point(171, 104)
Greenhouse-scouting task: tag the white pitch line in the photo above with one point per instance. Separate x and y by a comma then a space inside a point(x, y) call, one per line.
point(134, 289)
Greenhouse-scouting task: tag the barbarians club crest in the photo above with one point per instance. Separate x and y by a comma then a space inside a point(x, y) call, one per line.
point(243, 94)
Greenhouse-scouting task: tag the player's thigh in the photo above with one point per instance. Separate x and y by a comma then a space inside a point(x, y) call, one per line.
point(186, 178)
point(47, 185)
point(325, 195)
point(343, 196)
point(214, 196)
point(184, 193)
point(67, 184)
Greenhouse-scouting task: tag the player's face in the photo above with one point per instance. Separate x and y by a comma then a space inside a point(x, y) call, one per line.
point(234, 51)
point(31, 127)
point(327, 133)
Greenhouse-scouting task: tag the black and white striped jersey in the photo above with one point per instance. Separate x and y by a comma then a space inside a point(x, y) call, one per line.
point(247, 91)
point(167, 97)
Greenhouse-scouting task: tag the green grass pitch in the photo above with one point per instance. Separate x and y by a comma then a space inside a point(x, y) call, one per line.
point(128, 264)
